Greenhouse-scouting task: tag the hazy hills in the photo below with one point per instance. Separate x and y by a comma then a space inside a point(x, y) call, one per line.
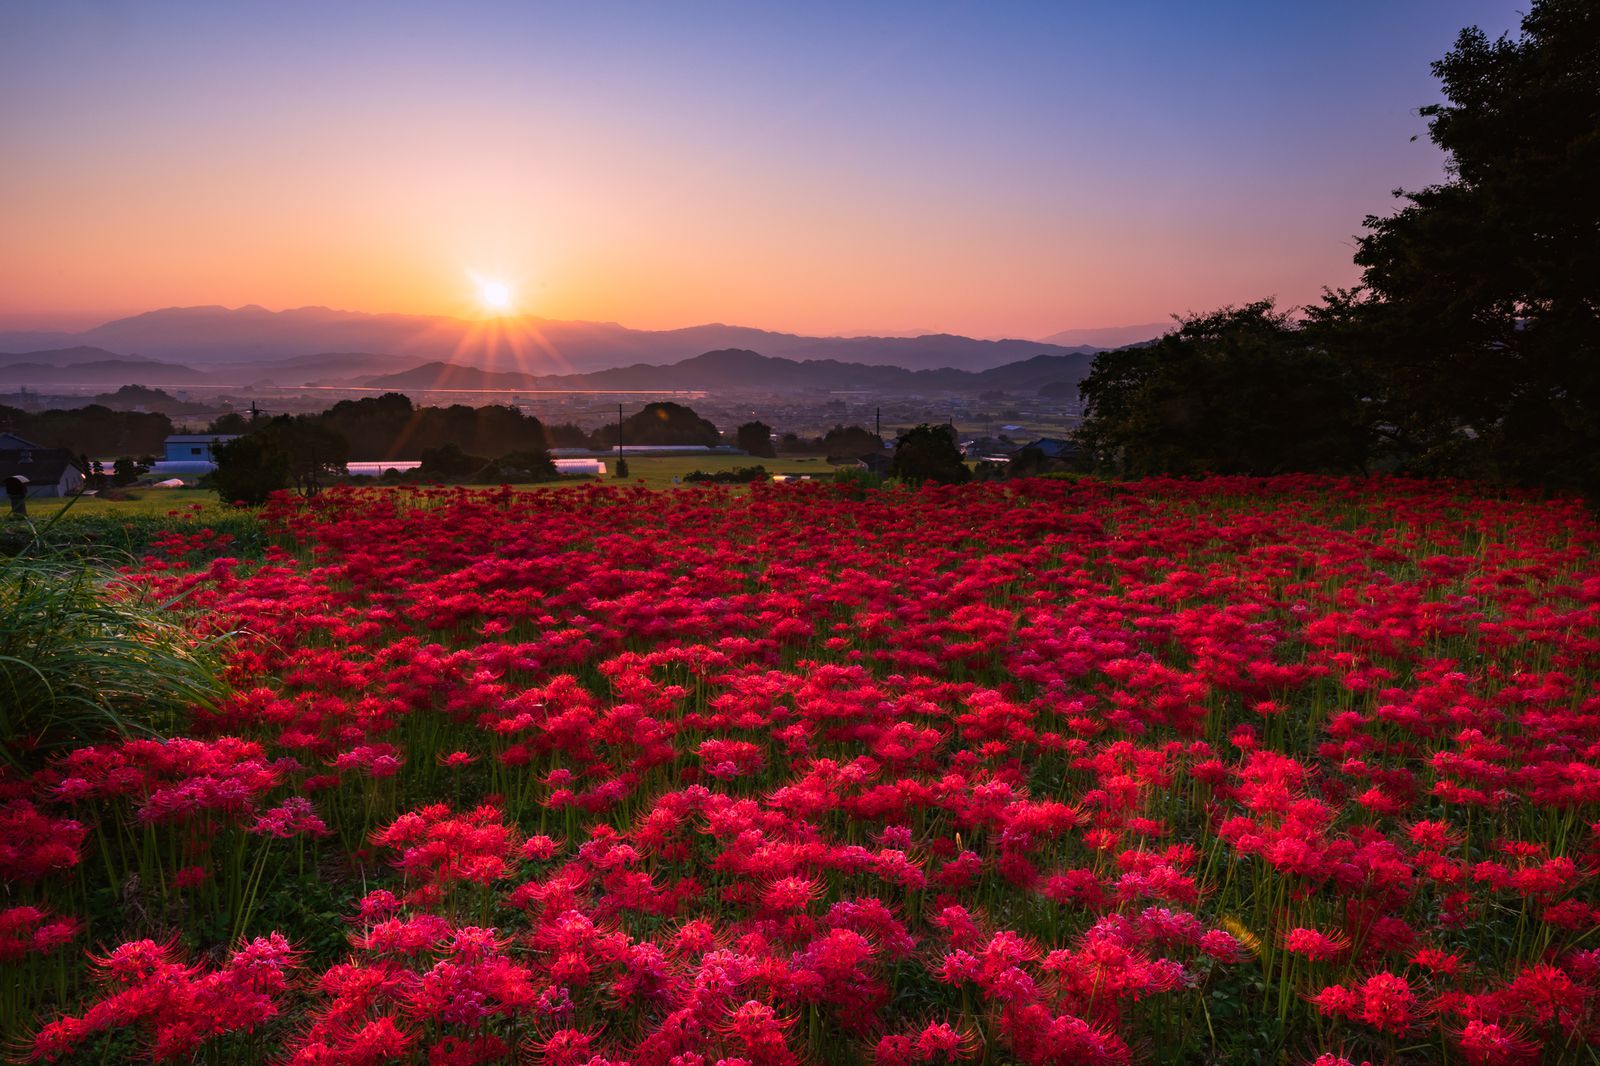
point(1112, 336)
point(209, 338)
point(89, 366)
point(717, 370)
point(735, 368)
point(92, 366)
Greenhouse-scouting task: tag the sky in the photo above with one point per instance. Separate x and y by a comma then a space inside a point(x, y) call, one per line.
point(985, 168)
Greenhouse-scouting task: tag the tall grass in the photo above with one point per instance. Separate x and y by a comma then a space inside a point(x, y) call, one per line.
point(84, 656)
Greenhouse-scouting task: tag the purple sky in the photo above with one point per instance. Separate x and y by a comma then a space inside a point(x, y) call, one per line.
point(991, 169)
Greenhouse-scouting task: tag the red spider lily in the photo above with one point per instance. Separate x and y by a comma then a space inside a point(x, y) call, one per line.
point(1488, 1044)
point(1383, 1001)
point(33, 844)
point(1071, 749)
point(1315, 945)
point(27, 931)
point(177, 1007)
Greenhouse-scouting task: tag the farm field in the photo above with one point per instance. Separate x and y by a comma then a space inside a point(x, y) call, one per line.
point(1293, 770)
point(654, 471)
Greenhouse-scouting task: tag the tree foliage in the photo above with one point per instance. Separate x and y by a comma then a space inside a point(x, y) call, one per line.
point(1478, 321)
point(755, 438)
point(669, 423)
point(1471, 346)
point(449, 461)
point(390, 427)
point(249, 470)
point(312, 451)
point(850, 442)
point(94, 429)
point(929, 453)
point(1241, 390)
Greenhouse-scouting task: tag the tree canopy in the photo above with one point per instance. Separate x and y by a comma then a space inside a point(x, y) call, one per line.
point(1471, 345)
point(1479, 309)
point(1237, 391)
point(755, 438)
point(390, 427)
point(929, 453)
point(669, 423)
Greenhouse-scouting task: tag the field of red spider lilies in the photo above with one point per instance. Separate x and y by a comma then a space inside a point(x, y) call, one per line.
point(1291, 770)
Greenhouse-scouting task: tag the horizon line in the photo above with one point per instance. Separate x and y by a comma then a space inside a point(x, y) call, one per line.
point(530, 316)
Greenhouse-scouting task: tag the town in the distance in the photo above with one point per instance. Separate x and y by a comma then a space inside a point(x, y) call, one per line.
point(143, 401)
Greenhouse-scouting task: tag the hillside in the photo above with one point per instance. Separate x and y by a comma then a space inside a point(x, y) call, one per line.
point(736, 368)
point(216, 337)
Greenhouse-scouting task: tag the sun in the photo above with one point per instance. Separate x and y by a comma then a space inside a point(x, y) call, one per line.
point(495, 296)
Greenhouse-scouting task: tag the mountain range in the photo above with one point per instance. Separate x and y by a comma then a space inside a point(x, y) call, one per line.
point(719, 370)
point(735, 368)
point(249, 339)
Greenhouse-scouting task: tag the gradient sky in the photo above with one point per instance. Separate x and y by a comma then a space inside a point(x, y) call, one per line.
point(984, 168)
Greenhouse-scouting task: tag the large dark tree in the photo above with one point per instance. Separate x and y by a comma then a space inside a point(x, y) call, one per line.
point(312, 451)
point(1238, 391)
point(389, 427)
point(95, 429)
point(1478, 326)
point(755, 438)
point(669, 423)
point(850, 442)
point(929, 453)
point(249, 469)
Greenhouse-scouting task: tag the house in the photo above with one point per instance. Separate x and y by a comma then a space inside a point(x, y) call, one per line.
point(1055, 448)
point(50, 472)
point(189, 455)
point(194, 447)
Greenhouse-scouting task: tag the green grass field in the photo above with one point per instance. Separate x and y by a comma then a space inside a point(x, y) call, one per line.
point(131, 503)
point(657, 471)
point(146, 504)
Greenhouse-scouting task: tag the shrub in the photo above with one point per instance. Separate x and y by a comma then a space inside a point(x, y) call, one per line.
point(82, 657)
point(249, 470)
point(742, 475)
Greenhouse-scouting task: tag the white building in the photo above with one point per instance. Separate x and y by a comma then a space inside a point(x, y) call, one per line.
point(190, 454)
point(50, 472)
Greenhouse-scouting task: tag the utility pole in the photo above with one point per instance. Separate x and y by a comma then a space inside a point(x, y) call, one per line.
point(619, 433)
point(878, 423)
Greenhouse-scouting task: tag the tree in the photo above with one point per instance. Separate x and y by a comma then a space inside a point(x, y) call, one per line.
point(229, 424)
point(523, 466)
point(1237, 391)
point(312, 451)
point(929, 453)
point(1478, 320)
point(449, 461)
point(125, 471)
point(249, 470)
point(850, 442)
point(755, 438)
point(95, 429)
point(569, 435)
point(669, 423)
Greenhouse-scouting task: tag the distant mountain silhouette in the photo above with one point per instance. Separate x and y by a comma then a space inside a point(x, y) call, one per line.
point(214, 337)
point(438, 375)
point(92, 366)
point(735, 368)
point(1113, 336)
point(96, 366)
point(323, 367)
point(59, 356)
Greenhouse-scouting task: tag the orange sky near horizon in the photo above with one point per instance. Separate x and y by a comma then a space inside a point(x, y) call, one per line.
point(840, 171)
